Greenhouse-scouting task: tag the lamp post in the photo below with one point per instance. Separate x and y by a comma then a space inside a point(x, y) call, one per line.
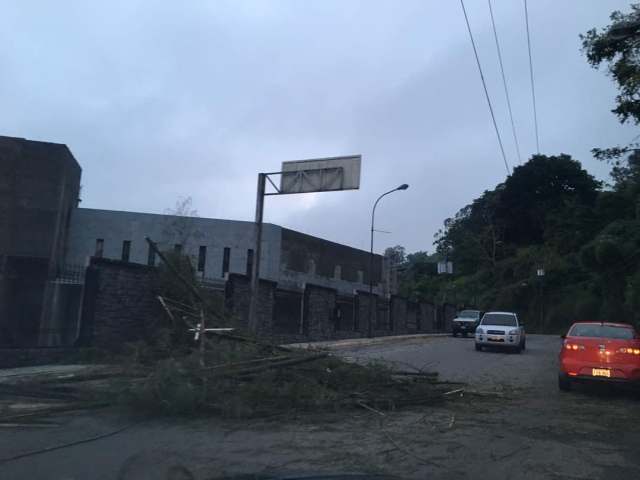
point(404, 186)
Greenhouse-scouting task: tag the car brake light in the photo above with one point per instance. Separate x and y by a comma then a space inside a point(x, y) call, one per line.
point(632, 351)
point(574, 346)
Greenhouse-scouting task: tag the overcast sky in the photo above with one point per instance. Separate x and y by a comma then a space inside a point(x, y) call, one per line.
point(159, 100)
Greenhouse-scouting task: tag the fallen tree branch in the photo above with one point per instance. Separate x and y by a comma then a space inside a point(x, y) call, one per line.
point(59, 409)
point(248, 362)
point(409, 452)
point(284, 363)
point(371, 409)
point(65, 445)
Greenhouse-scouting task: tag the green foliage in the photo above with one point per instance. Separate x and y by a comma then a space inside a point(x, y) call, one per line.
point(540, 189)
point(618, 46)
point(180, 387)
point(395, 255)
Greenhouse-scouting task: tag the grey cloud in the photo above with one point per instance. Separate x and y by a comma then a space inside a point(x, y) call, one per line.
point(159, 100)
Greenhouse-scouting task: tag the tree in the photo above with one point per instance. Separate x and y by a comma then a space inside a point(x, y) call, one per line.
point(396, 255)
point(618, 45)
point(543, 186)
point(179, 225)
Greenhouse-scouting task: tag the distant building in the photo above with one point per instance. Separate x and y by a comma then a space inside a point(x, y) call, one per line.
point(46, 240)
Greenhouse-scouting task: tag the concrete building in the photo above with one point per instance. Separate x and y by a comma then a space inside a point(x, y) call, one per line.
point(220, 247)
point(39, 187)
point(46, 240)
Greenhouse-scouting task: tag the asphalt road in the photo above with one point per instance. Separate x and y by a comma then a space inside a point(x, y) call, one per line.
point(456, 359)
point(510, 421)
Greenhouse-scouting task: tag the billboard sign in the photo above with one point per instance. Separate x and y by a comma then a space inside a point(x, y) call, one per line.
point(321, 175)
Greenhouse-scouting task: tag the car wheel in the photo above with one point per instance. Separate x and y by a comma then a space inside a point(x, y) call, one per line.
point(517, 349)
point(524, 344)
point(564, 384)
point(478, 347)
point(455, 334)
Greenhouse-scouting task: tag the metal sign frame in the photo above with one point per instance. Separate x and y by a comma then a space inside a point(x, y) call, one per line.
point(261, 194)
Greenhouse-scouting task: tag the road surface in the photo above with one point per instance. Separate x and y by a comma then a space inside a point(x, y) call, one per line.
point(509, 422)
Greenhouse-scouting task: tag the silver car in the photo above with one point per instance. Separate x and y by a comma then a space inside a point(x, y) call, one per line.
point(501, 329)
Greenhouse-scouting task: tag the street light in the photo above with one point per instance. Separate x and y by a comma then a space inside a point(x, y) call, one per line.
point(404, 186)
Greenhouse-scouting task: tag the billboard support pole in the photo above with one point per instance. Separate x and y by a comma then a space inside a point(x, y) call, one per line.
point(255, 271)
point(301, 178)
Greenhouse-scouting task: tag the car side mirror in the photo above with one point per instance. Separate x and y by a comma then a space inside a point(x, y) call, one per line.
point(563, 336)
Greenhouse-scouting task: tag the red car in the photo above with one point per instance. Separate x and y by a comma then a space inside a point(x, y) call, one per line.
point(599, 351)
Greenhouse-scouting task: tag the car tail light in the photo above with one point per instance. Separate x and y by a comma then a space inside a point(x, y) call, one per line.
point(632, 351)
point(573, 346)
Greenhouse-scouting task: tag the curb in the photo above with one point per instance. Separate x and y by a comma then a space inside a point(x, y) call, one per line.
point(364, 342)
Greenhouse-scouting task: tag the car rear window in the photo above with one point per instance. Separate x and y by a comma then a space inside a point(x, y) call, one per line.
point(601, 331)
point(469, 314)
point(501, 319)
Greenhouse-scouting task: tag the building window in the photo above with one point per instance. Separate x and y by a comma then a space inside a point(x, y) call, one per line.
point(225, 260)
point(249, 262)
point(126, 250)
point(202, 257)
point(99, 247)
point(177, 248)
point(151, 257)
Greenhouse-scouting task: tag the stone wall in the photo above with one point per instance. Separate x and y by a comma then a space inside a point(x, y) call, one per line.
point(363, 300)
point(399, 314)
point(119, 304)
point(319, 312)
point(237, 296)
point(427, 317)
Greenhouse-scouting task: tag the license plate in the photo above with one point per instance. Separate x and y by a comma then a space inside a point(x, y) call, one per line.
point(601, 372)
point(496, 339)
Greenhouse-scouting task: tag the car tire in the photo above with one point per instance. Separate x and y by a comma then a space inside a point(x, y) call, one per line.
point(564, 384)
point(517, 349)
point(455, 334)
point(478, 347)
point(524, 344)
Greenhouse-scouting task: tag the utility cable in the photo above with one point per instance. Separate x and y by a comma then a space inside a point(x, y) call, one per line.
point(533, 88)
point(504, 82)
point(484, 85)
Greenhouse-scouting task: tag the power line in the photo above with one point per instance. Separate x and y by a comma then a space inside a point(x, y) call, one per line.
point(533, 89)
point(484, 85)
point(504, 82)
